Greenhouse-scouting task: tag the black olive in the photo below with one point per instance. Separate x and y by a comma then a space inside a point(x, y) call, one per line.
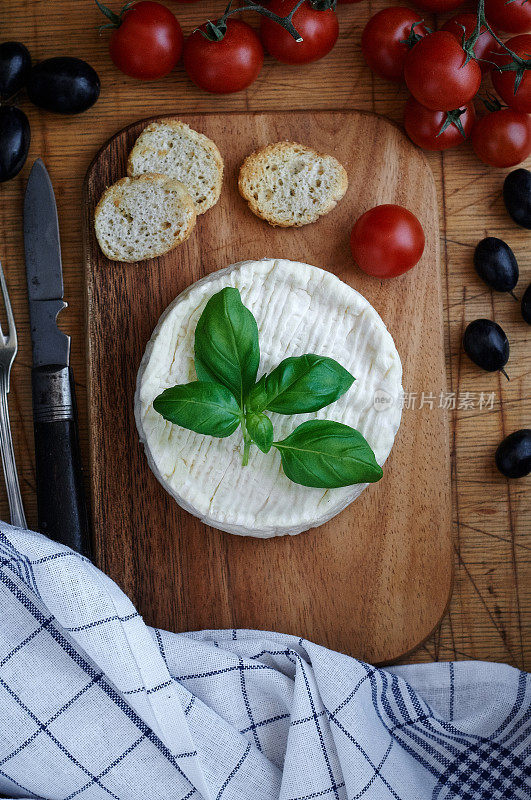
point(513, 456)
point(517, 196)
point(15, 137)
point(526, 305)
point(65, 85)
point(15, 66)
point(495, 264)
point(486, 344)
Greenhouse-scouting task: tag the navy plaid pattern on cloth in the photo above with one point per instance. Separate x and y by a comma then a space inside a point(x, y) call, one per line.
point(96, 705)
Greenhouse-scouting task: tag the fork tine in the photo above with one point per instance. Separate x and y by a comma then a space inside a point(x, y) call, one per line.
point(12, 331)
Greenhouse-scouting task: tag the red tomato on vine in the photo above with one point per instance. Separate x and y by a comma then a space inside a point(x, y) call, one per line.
point(502, 138)
point(436, 73)
point(438, 130)
point(514, 87)
point(228, 64)
point(512, 17)
point(387, 38)
point(319, 30)
point(147, 40)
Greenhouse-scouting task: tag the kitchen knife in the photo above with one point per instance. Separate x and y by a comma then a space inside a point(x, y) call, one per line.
point(62, 513)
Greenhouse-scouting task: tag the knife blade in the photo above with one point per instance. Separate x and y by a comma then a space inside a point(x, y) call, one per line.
point(62, 512)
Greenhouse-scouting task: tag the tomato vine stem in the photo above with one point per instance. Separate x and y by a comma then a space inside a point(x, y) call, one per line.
point(215, 31)
point(518, 64)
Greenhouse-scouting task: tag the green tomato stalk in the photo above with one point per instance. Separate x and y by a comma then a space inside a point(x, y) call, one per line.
point(115, 19)
point(518, 64)
point(215, 31)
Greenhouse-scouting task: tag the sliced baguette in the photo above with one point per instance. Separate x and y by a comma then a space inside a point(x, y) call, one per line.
point(289, 184)
point(173, 148)
point(144, 217)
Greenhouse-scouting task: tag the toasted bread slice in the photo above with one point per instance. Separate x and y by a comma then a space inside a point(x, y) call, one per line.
point(144, 217)
point(173, 148)
point(289, 184)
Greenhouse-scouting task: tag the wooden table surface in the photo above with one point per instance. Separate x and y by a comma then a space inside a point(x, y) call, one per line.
point(490, 613)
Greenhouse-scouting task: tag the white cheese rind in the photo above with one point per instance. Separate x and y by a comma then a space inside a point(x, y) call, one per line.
point(299, 309)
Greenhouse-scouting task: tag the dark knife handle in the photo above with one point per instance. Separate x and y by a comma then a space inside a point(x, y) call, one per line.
point(62, 511)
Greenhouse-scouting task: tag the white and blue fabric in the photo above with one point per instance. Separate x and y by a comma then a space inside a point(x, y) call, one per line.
point(96, 705)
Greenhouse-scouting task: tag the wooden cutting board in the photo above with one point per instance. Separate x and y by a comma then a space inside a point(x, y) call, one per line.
point(374, 581)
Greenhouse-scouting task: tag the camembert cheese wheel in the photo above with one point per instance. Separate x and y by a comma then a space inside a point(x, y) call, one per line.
point(299, 309)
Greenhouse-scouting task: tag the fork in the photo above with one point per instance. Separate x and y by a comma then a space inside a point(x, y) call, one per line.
point(8, 351)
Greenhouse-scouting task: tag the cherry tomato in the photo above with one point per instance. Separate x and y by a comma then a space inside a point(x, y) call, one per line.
point(438, 6)
point(387, 241)
point(319, 30)
point(383, 40)
point(504, 82)
point(224, 66)
point(502, 138)
point(436, 73)
point(511, 17)
point(486, 46)
point(424, 126)
point(148, 42)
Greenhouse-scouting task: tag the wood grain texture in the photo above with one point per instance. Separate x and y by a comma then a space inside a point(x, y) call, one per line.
point(490, 613)
point(374, 581)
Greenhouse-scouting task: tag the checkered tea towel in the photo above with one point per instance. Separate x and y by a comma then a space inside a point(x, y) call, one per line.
point(96, 705)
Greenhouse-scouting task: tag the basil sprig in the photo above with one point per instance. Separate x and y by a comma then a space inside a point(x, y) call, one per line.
point(319, 453)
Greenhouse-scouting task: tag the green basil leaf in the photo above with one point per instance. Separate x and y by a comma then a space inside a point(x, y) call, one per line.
point(200, 406)
point(260, 429)
point(300, 385)
point(202, 373)
point(326, 455)
point(226, 343)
